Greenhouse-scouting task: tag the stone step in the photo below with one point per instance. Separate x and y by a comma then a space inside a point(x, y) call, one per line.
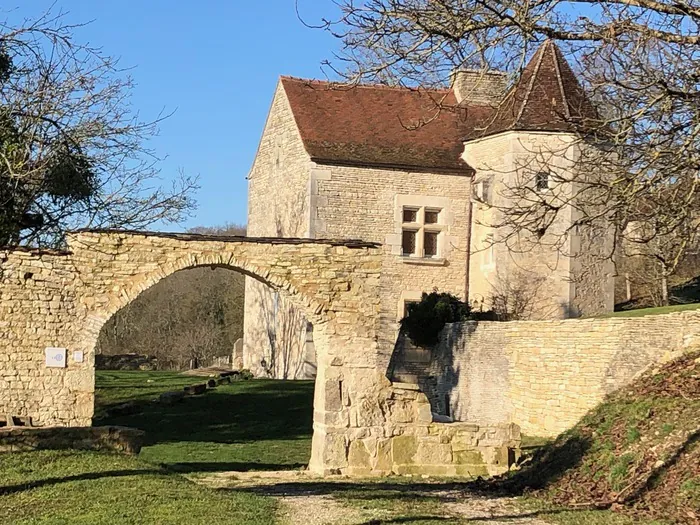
point(402, 377)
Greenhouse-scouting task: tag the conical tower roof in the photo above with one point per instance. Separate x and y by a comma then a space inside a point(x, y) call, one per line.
point(547, 97)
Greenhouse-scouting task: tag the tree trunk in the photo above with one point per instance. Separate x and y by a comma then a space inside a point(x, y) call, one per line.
point(664, 285)
point(628, 287)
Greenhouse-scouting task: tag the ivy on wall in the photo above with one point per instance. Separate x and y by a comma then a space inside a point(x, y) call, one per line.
point(428, 317)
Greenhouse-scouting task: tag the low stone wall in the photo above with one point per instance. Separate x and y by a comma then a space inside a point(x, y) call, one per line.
point(113, 439)
point(542, 375)
point(397, 435)
point(125, 362)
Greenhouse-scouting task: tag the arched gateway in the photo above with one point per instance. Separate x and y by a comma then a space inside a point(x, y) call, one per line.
point(362, 423)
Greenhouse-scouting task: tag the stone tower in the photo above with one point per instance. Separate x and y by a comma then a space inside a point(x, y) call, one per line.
point(526, 155)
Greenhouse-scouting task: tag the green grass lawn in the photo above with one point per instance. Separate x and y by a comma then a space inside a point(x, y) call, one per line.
point(654, 311)
point(247, 425)
point(90, 488)
point(114, 387)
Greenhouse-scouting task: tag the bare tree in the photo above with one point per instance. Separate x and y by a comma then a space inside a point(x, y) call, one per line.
point(227, 230)
point(660, 243)
point(514, 296)
point(73, 153)
point(637, 155)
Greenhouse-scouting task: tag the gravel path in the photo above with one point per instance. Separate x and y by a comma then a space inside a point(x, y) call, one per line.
point(320, 510)
point(308, 500)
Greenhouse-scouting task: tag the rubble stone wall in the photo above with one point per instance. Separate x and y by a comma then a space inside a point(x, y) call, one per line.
point(367, 203)
point(362, 423)
point(541, 375)
point(111, 439)
point(38, 309)
point(394, 433)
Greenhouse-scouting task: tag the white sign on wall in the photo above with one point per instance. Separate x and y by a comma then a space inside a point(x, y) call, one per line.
point(55, 357)
point(78, 356)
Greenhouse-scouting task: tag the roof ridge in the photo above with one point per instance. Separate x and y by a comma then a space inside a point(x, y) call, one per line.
point(557, 67)
point(532, 79)
point(351, 85)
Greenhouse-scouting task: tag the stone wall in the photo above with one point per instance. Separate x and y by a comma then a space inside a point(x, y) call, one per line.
point(38, 309)
point(366, 203)
point(361, 422)
point(110, 439)
point(274, 330)
point(542, 375)
point(558, 272)
point(394, 433)
point(51, 299)
point(125, 362)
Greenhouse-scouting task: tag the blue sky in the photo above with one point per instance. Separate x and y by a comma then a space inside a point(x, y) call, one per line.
point(215, 63)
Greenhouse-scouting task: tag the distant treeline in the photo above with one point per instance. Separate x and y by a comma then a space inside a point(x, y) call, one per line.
point(190, 315)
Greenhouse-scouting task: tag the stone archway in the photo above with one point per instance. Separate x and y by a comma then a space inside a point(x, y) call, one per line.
point(362, 423)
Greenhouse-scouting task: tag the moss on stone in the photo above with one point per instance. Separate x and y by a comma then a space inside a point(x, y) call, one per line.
point(403, 449)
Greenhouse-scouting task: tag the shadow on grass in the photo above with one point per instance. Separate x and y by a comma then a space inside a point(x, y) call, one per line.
point(88, 476)
point(452, 519)
point(394, 494)
point(237, 413)
point(412, 519)
point(547, 465)
point(223, 466)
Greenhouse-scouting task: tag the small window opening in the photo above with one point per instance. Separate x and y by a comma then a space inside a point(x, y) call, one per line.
point(407, 304)
point(430, 244)
point(482, 190)
point(432, 216)
point(410, 215)
point(542, 181)
point(408, 242)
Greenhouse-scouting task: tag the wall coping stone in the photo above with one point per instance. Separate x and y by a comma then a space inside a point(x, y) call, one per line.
point(107, 438)
point(349, 243)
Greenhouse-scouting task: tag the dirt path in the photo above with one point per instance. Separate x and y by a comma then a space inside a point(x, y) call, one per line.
point(320, 510)
point(326, 510)
point(308, 500)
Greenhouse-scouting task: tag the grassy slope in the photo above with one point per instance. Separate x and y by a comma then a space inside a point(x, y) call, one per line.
point(267, 424)
point(637, 451)
point(654, 311)
point(247, 425)
point(68, 487)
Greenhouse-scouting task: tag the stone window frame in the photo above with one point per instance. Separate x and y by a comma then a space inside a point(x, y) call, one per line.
point(488, 260)
point(406, 297)
point(483, 189)
point(445, 219)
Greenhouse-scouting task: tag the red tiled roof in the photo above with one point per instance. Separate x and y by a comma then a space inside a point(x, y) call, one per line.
point(425, 129)
point(378, 125)
point(547, 97)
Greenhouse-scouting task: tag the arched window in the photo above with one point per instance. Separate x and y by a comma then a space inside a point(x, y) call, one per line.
point(542, 181)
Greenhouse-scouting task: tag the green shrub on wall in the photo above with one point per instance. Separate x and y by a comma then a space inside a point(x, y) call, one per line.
point(428, 317)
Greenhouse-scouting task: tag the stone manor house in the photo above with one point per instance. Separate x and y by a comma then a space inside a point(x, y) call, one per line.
point(383, 164)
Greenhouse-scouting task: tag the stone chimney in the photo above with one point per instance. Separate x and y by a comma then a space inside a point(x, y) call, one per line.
point(473, 86)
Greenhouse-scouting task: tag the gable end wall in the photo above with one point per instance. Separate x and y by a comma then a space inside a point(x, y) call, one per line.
point(278, 206)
